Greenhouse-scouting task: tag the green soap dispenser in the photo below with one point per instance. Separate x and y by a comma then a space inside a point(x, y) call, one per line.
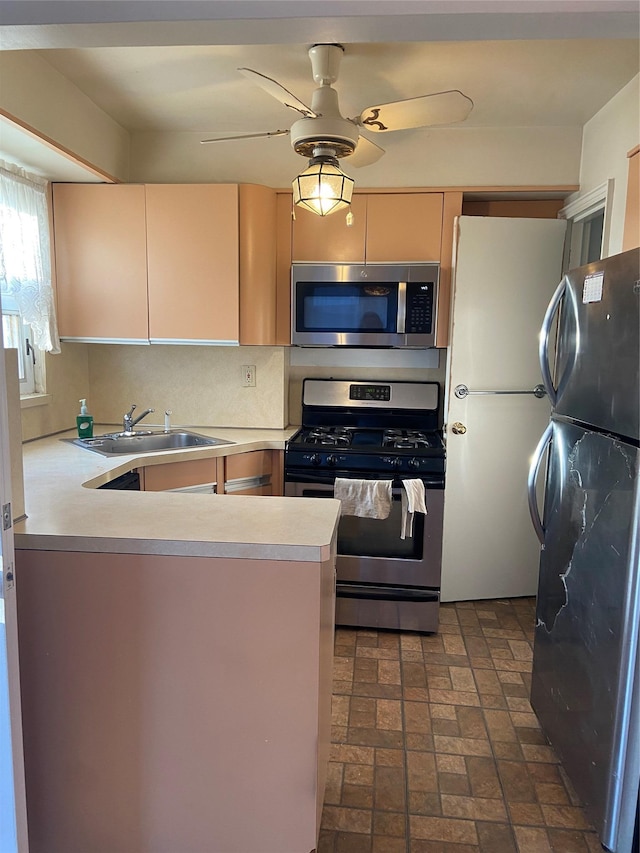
point(84, 421)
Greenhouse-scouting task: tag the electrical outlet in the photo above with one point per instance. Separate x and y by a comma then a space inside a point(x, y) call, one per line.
point(248, 375)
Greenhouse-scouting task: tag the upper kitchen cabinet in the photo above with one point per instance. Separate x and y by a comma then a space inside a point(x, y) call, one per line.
point(329, 238)
point(166, 263)
point(404, 227)
point(101, 262)
point(259, 310)
point(386, 227)
point(193, 265)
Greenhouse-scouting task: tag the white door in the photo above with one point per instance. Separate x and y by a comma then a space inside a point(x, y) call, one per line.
point(505, 273)
point(13, 822)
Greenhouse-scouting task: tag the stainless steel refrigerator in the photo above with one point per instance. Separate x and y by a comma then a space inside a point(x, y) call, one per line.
point(586, 667)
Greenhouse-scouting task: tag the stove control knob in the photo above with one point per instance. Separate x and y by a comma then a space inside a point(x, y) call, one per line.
point(397, 462)
point(315, 459)
point(332, 459)
point(414, 463)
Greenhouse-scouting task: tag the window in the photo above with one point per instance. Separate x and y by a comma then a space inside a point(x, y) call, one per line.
point(28, 315)
point(18, 335)
point(588, 222)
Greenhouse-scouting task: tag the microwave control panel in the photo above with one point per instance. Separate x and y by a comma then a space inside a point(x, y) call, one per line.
point(419, 317)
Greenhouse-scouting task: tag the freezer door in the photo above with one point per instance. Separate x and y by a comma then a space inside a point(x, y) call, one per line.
point(598, 364)
point(586, 636)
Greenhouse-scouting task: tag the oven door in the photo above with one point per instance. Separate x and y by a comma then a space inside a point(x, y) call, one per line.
point(384, 581)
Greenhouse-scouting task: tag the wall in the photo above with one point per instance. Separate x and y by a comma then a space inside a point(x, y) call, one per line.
point(362, 365)
point(67, 382)
point(607, 138)
point(38, 95)
point(473, 156)
point(201, 385)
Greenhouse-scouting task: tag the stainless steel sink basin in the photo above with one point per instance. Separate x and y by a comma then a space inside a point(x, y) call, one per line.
point(145, 441)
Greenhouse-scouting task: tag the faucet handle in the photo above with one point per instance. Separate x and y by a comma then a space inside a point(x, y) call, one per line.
point(131, 410)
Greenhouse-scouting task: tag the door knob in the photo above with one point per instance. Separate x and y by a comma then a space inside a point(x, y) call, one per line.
point(458, 429)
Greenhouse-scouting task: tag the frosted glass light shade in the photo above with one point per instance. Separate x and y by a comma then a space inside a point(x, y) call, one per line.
point(323, 188)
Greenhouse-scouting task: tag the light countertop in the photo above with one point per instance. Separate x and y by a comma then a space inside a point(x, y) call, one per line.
point(66, 511)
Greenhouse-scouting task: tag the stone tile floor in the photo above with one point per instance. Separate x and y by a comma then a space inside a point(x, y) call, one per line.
point(435, 745)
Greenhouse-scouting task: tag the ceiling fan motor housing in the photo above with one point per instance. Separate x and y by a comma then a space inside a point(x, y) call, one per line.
point(328, 128)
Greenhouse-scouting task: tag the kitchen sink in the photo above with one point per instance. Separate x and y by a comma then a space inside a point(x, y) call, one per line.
point(145, 441)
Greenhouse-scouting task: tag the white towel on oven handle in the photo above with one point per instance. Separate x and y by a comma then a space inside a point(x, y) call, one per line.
point(413, 500)
point(364, 498)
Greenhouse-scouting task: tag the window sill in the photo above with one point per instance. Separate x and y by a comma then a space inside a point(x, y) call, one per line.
point(31, 400)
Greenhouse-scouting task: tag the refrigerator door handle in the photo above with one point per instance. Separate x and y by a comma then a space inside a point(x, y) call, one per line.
point(531, 482)
point(543, 348)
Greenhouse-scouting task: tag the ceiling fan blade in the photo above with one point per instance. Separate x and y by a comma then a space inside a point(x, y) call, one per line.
point(273, 88)
point(246, 136)
point(366, 153)
point(440, 108)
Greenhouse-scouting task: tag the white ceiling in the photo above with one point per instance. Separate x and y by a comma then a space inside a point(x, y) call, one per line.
point(524, 64)
point(198, 88)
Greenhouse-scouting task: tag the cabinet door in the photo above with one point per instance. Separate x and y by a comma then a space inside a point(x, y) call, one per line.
point(250, 473)
point(284, 225)
point(329, 238)
point(101, 262)
point(404, 227)
point(192, 247)
point(257, 265)
point(179, 475)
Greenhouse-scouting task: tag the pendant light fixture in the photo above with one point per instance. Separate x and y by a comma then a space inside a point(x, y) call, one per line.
point(323, 188)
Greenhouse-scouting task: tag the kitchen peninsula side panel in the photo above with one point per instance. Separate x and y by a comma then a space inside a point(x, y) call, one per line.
point(174, 703)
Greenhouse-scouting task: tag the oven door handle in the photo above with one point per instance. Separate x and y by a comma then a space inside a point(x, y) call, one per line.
point(317, 479)
point(384, 593)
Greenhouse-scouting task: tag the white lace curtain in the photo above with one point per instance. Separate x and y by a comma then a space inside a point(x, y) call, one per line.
point(25, 260)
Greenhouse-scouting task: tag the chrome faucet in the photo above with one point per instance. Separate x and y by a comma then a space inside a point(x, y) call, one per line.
point(128, 421)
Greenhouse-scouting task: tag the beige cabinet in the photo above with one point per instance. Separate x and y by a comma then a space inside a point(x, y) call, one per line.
point(192, 263)
point(386, 227)
point(258, 472)
point(101, 262)
point(329, 238)
point(181, 475)
point(404, 227)
point(259, 311)
point(166, 263)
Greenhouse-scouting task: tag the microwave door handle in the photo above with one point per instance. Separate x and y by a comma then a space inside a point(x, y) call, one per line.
point(402, 307)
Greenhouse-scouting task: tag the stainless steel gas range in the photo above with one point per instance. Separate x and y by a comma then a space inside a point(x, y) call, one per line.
point(376, 431)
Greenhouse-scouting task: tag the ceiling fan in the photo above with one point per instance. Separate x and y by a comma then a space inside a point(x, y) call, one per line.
point(322, 128)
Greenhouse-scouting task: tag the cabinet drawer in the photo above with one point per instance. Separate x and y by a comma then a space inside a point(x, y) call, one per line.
point(256, 463)
point(176, 475)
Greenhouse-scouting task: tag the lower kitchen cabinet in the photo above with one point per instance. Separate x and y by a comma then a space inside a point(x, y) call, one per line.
point(258, 472)
point(181, 475)
point(174, 703)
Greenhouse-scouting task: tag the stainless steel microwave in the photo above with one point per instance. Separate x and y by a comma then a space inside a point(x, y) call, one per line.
point(375, 305)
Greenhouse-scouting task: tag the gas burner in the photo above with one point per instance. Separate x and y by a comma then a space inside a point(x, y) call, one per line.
point(329, 436)
point(405, 438)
